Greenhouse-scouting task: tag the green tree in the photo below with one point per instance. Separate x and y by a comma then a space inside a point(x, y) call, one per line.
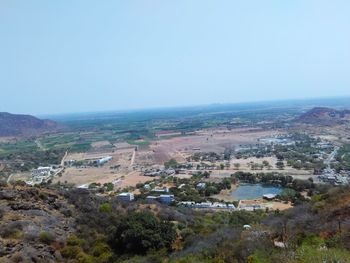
point(172, 163)
point(140, 232)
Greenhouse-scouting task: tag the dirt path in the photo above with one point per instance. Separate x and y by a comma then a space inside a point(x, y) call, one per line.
point(132, 159)
point(63, 158)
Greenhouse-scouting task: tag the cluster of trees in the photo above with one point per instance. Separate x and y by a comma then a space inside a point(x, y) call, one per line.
point(140, 232)
point(190, 191)
point(101, 188)
point(172, 163)
point(26, 160)
point(212, 188)
point(302, 155)
point(259, 151)
point(343, 158)
point(207, 156)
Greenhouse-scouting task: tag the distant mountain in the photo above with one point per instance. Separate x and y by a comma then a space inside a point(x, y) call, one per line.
point(23, 125)
point(325, 116)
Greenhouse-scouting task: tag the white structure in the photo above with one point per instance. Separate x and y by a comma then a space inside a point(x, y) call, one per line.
point(42, 175)
point(104, 160)
point(169, 171)
point(151, 198)
point(208, 205)
point(42, 171)
point(166, 199)
point(201, 185)
point(161, 190)
point(126, 197)
point(269, 196)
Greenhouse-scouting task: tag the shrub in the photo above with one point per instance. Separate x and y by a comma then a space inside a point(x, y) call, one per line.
point(105, 208)
point(46, 237)
point(140, 232)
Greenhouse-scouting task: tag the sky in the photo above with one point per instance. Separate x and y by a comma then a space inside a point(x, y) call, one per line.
point(84, 56)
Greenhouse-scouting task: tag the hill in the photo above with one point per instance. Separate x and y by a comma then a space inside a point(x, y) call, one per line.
point(325, 116)
point(45, 224)
point(23, 125)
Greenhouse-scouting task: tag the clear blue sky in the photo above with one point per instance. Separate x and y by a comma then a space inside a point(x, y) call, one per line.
point(76, 56)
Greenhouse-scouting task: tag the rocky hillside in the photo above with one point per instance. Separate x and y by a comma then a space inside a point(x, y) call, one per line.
point(325, 116)
point(23, 125)
point(34, 223)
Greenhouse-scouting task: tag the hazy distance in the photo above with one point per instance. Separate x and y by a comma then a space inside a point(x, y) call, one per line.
point(77, 56)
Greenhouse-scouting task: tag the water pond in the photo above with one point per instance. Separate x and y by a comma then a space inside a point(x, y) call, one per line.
point(254, 191)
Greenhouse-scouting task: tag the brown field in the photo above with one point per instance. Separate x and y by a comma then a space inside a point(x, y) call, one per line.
point(210, 140)
point(245, 167)
point(20, 176)
point(159, 151)
point(104, 174)
point(84, 176)
point(100, 144)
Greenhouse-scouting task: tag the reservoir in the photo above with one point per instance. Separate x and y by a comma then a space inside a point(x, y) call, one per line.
point(254, 191)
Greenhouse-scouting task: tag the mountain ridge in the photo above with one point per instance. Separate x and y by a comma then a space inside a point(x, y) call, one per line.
point(325, 116)
point(24, 125)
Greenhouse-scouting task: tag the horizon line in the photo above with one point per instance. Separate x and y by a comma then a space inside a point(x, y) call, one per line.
point(178, 107)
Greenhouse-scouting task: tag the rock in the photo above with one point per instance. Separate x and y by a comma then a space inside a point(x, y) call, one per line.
point(58, 255)
point(24, 206)
point(7, 195)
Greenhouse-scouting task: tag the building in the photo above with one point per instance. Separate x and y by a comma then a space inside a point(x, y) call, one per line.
point(208, 205)
point(250, 205)
point(127, 197)
point(201, 185)
point(104, 160)
point(169, 171)
point(269, 196)
point(151, 198)
point(181, 185)
point(147, 187)
point(161, 190)
point(166, 199)
point(42, 171)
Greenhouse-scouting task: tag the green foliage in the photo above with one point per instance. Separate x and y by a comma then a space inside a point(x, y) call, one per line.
point(75, 250)
point(172, 163)
point(105, 208)
point(242, 217)
point(288, 194)
point(343, 158)
point(46, 237)
point(259, 256)
point(108, 187)
point(140, 232)
point(312, 254)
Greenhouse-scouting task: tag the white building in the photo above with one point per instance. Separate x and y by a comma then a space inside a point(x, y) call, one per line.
point(161, 190)
point(42, 171)
point(126, 197)
point(104, 160)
